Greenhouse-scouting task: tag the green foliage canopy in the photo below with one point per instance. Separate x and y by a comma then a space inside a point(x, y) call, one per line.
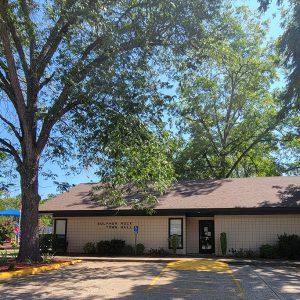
point(69, 65)
point(289, 48)
point(228, 110)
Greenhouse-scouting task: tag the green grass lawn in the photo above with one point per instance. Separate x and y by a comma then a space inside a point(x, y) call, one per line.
point(9, 251)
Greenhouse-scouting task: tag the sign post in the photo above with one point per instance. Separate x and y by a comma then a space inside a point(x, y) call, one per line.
point(136, 231)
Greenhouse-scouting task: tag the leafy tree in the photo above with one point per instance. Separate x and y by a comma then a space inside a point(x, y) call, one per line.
point(10, 203)
point(46, 220)
point(228, 110)
point(69, 62)
point(7, 230)
point(139, 165)
point(289, 47)
point(288, 142)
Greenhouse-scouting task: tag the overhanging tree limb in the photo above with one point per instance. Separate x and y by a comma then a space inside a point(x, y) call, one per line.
point(57, 33)
point(18, 44)
point(274, 124)
point(11, 150)
point(30, 30)
point(76, 75)
point(18, 100)
point(6, 87)
point(12, 127)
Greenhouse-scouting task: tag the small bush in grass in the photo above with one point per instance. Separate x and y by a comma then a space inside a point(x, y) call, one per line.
point(46, 243)
point(103, 247)
point(47, 258)
point(249, 253)
point(174, 242)
point(289, 246)
point(268, 251)
point(237, 253)
point(28, 261)
point(140, 248)
point(116, 246)
point(12, 266)
point(113, 247)
point(7, 231)
point(14, 244)
point(243, 253)
point(4, 257)
point(128, 250)
point(89, 248)
point(158, 252)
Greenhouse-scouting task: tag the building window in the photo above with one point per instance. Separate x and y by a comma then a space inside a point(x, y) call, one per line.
point(60, 227)
point(176, 227)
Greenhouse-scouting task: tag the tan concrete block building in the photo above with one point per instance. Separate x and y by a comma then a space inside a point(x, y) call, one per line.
point(252, 212)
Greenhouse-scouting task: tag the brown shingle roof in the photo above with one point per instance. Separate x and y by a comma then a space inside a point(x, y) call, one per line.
point(253, 192)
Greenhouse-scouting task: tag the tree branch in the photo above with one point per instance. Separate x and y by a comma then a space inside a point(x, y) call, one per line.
point(208, 134)
point(46, 81)
point(255, 142)
point(11, 150)
point(13, 128)
point(210, 165)
point(53, 115)
point(59, 108)
point(218, 123)
point(6, 87)
point(5, 70)
point(293, 168)
point(31, 32)
point(18, 100)
point(5, 150)
point(56, 35)
point(18, 45)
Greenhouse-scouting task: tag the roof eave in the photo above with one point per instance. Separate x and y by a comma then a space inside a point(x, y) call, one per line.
point(190, 212)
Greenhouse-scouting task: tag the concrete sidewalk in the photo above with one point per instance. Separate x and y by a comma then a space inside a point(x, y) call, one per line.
point(228, 260)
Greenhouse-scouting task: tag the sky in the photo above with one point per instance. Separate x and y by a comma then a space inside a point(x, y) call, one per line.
point(272, 14)
point(46, 186)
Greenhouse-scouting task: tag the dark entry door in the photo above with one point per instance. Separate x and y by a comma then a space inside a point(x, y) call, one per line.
point(206, 237)
point(60, 236)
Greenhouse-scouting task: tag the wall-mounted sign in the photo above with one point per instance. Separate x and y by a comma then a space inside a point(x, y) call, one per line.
point(115, 225)
point(136, 231)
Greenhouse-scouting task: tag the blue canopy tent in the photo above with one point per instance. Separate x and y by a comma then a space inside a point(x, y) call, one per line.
point(10, 213)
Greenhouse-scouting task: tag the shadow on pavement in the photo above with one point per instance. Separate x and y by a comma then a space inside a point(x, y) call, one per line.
point(96, 280)
point(268, 282)
point(83, 281)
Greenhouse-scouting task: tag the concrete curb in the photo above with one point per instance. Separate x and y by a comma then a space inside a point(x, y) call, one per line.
point(158, 260)
point(36, 270)
point(229, 261)
point(263, 263)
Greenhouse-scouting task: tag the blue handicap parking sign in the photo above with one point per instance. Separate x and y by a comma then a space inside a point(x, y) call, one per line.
point(136, 229)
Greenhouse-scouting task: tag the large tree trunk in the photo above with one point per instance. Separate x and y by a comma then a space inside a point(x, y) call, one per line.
point(29, 243)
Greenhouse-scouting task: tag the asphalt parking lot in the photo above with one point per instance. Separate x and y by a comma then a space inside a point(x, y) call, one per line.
point(199, 279)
